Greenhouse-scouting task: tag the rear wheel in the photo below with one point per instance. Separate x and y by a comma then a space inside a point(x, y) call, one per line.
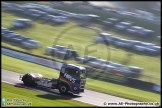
point(63, 89)
point(28, 80)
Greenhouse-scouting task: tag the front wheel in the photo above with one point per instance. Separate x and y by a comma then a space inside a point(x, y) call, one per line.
point(63, 89)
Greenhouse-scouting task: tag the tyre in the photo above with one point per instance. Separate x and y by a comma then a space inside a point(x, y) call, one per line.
point(63, 89)
point(28, 80)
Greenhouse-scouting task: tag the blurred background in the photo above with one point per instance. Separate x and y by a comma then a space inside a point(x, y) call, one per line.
point(105, 37)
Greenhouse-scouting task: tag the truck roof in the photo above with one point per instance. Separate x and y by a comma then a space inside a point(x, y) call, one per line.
point(80, 67)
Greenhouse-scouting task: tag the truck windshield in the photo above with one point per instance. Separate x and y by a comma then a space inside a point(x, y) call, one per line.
point(72, 72)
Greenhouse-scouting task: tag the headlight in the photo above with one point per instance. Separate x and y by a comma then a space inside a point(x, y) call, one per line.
point(75, 88)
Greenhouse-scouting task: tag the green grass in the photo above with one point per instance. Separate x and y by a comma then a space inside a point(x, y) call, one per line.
point(16, 65)
point(80, 38)
point(36, 98)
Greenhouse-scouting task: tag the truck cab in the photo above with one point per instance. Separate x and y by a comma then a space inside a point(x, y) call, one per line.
point(72, 79)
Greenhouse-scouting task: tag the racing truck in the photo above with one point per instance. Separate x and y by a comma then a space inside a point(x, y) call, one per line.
point(72, 79)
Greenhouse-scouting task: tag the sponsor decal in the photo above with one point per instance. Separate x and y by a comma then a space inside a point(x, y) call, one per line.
point(44, 83)
point(70, 78)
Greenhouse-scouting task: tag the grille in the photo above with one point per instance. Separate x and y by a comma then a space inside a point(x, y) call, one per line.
point(81, 90)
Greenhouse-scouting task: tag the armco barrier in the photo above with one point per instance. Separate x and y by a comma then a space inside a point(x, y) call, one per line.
point(139, 84)
point(156, 88)
point(105, 77)
point(31, 58)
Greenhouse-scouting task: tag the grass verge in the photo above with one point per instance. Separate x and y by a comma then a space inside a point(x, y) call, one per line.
point(37, 98)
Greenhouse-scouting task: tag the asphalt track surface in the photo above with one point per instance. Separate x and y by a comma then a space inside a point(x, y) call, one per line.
point(90, 97)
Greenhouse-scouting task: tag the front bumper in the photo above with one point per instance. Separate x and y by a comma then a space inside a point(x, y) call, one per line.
point(81, 90)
